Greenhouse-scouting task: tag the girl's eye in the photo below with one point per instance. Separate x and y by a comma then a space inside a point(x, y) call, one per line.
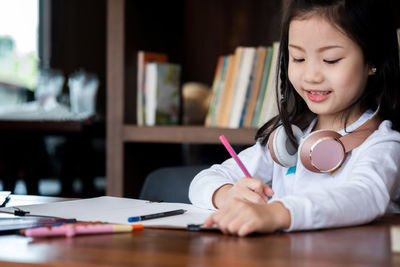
point(298, 59)
point(332, 61)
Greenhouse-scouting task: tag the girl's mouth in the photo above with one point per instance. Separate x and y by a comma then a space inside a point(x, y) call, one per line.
point(318, 95)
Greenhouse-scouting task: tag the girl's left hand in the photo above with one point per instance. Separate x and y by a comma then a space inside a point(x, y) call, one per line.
point(241, 217)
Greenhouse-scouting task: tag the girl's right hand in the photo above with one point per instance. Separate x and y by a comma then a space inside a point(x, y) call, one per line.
point(250, 189)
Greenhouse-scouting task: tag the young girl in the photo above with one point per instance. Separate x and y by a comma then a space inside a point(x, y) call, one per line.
point(339, 70)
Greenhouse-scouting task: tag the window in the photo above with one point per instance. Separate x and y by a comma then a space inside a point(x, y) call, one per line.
point(19, 25)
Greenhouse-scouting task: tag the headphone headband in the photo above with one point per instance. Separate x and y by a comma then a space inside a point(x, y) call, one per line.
point(359, 135)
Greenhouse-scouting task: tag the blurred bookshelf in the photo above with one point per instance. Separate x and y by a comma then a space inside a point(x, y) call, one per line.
point(193, 34)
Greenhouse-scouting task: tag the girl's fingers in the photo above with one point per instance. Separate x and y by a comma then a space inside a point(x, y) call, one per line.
point(268, 191)
point(209, 221)
point(245, 229)
point(241, 218)
point(255, 185)
point(228, 214)
point(224, 217)
point(253, 190)
point(255, 197)
point(235, 223)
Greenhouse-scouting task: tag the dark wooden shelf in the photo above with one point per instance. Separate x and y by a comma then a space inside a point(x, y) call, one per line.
point(43, 126)
point(187, 134)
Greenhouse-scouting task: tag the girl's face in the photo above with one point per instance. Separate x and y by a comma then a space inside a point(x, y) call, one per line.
point(326, 67)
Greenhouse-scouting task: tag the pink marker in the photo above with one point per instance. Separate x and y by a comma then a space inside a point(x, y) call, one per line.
point(80, 229)
point(234, 155)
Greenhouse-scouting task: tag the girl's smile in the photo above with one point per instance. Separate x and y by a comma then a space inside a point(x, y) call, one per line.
point(318, 95)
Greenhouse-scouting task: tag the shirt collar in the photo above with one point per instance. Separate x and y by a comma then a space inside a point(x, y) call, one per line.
point(363, 118)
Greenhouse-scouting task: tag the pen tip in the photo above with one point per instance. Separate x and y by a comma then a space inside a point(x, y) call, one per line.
point(133, 219)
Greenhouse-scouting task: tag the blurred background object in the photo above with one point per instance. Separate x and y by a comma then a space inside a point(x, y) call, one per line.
point(52, 132)
point(196, 100)
point(82, 92)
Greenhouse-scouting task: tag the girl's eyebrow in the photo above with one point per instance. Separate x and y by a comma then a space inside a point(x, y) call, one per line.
point(296, 47)
point(321, 49)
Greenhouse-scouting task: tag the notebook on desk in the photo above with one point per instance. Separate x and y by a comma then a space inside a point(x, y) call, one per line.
point(118, 210)
point(10, 223)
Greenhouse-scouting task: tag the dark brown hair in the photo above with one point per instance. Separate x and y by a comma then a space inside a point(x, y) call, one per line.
point(370, 23)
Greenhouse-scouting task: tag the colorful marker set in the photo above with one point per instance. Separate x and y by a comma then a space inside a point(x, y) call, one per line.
point(87, 228)
point(72, 229)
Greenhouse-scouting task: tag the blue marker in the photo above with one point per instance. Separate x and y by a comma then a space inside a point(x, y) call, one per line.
point(156, 215)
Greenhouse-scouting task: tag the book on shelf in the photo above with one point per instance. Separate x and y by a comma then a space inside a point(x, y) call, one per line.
point(227, 96)
point(144, 57)
point(253, 88)
point(269, 108)
point(215, 90)
point(244, 88)
point(226, 70)
point(261, 94)
point(243, 81)
point(162, 93)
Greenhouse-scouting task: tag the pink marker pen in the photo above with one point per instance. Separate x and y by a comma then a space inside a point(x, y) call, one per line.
point(70, 230)
point(234, 155)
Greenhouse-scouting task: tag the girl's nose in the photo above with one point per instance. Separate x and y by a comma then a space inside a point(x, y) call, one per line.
point(312, 73)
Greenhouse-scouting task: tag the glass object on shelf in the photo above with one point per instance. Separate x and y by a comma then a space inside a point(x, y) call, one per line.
point(82, 92)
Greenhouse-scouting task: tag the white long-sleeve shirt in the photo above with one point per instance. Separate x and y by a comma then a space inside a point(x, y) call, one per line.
point(362, 189)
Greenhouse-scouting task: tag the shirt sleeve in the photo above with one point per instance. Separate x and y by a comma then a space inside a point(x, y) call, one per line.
point(257, 161)
point(364, 196)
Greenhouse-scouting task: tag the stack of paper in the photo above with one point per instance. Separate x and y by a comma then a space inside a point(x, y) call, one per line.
point(118, 210)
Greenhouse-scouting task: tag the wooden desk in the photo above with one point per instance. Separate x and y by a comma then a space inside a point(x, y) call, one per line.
point(367, 245)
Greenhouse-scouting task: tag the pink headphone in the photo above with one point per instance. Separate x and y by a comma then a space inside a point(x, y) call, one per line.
point(320, 151)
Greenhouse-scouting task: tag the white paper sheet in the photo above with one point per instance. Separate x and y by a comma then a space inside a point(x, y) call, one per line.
point(117, 210)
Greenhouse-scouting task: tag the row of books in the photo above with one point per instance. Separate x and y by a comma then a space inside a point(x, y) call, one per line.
point(158, 89)
point(243, 90)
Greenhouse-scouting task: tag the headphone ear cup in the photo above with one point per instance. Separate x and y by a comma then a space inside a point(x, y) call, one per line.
point(282, 151)
point(322, 151)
